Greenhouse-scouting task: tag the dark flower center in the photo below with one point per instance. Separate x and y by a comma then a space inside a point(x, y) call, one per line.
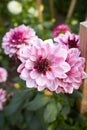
point(42, 65)
point(72, 43)
point(17, 38)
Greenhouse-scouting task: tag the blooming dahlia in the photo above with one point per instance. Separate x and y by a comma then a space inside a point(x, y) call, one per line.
point(3, 74)
point(71, 40)
point(43, 65)
point(17, 38)
point(75, 74)
point(2, 98)
point(60, 29)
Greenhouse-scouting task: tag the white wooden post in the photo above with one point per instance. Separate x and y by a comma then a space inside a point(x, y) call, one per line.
point(83, 48)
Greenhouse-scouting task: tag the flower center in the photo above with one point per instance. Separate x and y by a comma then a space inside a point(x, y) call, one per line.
point(17, 38)
point(72, 43)
point(61, 31)
point(42, 65)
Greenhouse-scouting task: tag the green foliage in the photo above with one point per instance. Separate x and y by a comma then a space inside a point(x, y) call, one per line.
point(38, 102)
point(62, 6)
point(50, 113)
point(29, 109)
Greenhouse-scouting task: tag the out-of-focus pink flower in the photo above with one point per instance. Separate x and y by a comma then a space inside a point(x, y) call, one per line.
point(76, 73)
point(60, 29)
point(17, 38)
point(43, 65)
point(71, 40)
point(2, 98)
point(3, 74)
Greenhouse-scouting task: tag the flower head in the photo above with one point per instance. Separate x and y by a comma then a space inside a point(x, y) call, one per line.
point(42, 67)
point(33, 12)
point(3, 74)
point(75, 74)
point(17, 38)
point(2, 98)
point(68, 39)
point(14, 7)
point(60, 29)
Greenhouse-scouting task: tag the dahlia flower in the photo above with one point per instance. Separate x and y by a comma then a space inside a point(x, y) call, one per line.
point(71, 40)
point(24, 51)
point(43, 65)
point(60, 29)
point(17, 38)
point(75, 74)
point(33, 12)
point(2, 98)
point(3, 74)
point(14, 7)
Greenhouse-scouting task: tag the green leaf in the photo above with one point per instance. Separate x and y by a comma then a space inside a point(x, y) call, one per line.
point(16, 119)
point(59, 107)
point(77, 94)
point(39, 101)
point(65, 111)
point(50, 112)
point(35, 118)
point(17, 101)
point(1, 119)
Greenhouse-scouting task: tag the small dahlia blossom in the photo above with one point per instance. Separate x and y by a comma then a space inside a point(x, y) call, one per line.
point(14, 7)
point(75, 74)
point(3, 74)
point(17, 38)
point(43, 65)
point(60, 29)
point(2, 98)
point(71, 40)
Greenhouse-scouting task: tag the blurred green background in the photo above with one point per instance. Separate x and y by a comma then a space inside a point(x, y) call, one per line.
point(29, 109)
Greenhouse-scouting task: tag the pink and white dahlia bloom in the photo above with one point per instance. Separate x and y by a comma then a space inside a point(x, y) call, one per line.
point(43, 65)
point(75, 74)
point(60, 29)
point(24, 51)
point(71, 40)
point(17, 38)
point(2, 98)
point(3, 74)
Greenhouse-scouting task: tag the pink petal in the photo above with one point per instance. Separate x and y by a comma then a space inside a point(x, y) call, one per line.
point(30, 83)
point(84, 75)
point(24, 74)
point(29, 64)
point(53, 85)
point(40, 88)
point(41, 81)
point(59, 72)
point(34, 74)
point(21, 67)
point(50, 75)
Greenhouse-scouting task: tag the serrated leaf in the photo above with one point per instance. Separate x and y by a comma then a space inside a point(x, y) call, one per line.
point(50, 112)
point(39, 101)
